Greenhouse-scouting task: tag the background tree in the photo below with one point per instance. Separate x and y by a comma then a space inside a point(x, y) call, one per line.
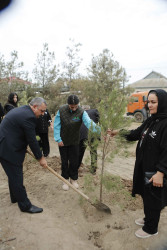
point(30, 93)
point(45, 71)
point(11, 73)
point(2, 66)
point(72, 62)
point(104, 74)
point(3, 85)
point(13, 67)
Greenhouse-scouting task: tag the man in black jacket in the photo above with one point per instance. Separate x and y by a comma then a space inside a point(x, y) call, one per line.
point(17, 131)
point(43, 122)
point(92, 140)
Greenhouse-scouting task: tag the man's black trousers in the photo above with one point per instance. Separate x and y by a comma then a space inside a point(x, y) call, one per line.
point(16, 187)
point(45, 143)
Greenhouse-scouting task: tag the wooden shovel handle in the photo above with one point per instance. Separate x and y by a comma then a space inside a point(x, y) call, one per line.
point(64, 180)
point(68, 183)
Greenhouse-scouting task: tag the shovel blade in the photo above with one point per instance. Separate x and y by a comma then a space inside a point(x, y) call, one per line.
point(102, 207)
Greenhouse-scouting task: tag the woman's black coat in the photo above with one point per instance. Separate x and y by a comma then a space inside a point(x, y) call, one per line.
point(151, 156)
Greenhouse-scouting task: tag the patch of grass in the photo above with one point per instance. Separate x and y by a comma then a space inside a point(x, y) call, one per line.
point(88, 183)
point(118, 192)
point(112, 182)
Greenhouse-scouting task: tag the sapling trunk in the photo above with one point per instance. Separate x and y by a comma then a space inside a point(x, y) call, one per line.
point(105, 146)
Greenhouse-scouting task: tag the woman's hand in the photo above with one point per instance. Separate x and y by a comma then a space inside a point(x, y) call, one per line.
point(157, 179)
point(112, 132)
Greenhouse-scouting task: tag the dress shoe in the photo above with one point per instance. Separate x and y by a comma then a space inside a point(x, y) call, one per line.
point(13, 201)
point(33, 209)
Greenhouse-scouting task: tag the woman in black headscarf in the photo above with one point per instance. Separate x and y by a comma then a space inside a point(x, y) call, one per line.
point(151, 162)
point(12, 102)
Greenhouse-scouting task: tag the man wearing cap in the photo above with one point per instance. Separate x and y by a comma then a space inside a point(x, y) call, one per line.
point(67, 125)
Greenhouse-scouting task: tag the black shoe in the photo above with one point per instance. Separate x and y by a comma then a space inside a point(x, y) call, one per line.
point(13, 201)
point(33, 209)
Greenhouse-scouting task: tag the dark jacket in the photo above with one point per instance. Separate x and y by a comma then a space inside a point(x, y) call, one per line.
point(94, 115)
point(17, 131)
point(11, 104)
point(8, 107)
point(43, 122)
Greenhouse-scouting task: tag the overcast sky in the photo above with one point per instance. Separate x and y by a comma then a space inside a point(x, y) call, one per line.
point(133, 30)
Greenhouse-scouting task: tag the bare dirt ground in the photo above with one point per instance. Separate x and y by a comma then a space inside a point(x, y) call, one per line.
point(69, 222)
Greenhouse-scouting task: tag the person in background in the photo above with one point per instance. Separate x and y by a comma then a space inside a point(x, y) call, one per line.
point(93, 141)
point(17, 131)
point(150, 172)
point(1, 112)
point(67, 125)
point(12, 102)
point(43, 122)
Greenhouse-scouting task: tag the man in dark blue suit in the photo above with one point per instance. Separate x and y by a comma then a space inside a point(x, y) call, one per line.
point(17, 131)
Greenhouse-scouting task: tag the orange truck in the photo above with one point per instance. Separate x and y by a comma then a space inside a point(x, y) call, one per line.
point(137, 106)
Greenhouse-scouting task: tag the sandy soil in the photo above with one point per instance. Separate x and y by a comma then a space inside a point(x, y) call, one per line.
point(69, 222)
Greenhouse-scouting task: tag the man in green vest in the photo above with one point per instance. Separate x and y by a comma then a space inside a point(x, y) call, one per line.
point(67, 125)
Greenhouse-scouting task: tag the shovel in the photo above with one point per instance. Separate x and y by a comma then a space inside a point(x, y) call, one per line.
point(98, 205)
